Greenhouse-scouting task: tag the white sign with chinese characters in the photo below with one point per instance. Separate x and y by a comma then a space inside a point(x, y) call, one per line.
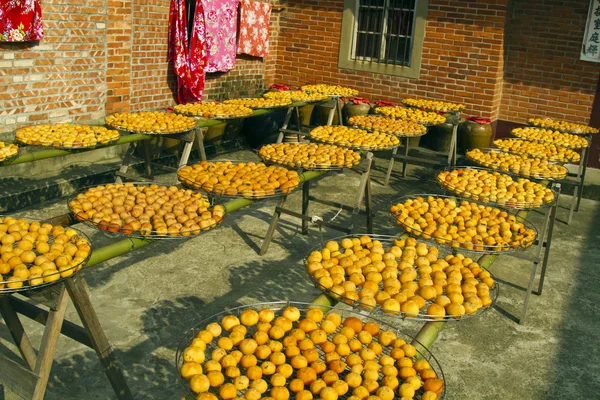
point(590, 50)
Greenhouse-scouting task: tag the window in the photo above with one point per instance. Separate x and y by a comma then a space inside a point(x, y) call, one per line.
point(383, 36)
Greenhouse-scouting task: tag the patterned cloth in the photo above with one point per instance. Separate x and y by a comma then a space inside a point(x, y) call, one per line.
point(20, 21)
point(220, 19)
point(188, 56)
point(254, 28)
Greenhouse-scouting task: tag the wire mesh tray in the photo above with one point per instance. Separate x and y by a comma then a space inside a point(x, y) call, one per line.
point(397, 134)
point(282, 104)
point(308, 166)
point(584, 142)
point(508, 203)
point(278, 308)
point(41, 282)
point(353, 147)
point(247, 194)
point(146, 233)
point(7, 160)
point(547, 175)
point(422, 122)
point(162, 133)
point(416, 229)
point(574, 158)
point(348, 145)
point(388, 241)
point(579, 133)
point(74, 146)
point(216, 116)
point(453, 112)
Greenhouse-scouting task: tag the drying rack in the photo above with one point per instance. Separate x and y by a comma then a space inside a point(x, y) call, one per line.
point(436, 158)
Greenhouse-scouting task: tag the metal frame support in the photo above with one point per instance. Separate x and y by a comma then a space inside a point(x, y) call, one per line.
point(542, 252)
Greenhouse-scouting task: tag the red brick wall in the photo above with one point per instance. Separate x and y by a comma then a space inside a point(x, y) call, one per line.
point(462, 53)
point(543, 74)
point(64, 76)
point(104, 56)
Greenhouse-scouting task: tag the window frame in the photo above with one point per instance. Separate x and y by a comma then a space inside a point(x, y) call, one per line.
point(349, 34)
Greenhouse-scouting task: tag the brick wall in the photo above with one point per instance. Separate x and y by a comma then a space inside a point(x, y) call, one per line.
point(104, 56)
point(543, 74)
point(462, 53)
point(62, 77)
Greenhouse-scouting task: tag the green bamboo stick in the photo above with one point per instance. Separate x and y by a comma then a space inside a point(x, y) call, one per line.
point(115, 250)
point(51, 153)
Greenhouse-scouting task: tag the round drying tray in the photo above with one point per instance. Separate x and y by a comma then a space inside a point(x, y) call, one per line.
point(161, 133)
point(508, 203)
point(75, 146)
point(282, 104)
point(354, 147)
point(357, 301)
point(549, 175)
point(416, 229)
point(7, 160)
point(41, 282)
point(246, 194)
point(584, 143)
point(308, 165)
point(572, 132)
point(216, 116)
point(278, 309)
point(141, 233)
point(571, 156)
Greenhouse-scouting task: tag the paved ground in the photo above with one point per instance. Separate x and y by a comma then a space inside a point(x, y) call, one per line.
point(147, 299)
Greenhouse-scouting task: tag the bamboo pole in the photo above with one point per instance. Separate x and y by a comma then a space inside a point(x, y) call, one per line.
point(51, 153)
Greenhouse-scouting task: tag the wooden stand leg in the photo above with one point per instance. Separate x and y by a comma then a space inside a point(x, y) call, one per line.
point(305, 203)
point(388, 175)
point(364, 181)
point(368, 204)
point(405, 161)
point(272, 227)
point(79, 294)
point(339, 111)
point(332, 113)
point(453, 142)
point(45, 358)
point(185, 155)
point(200, 142)
point(17, 332)
point(148, 158)
point(286, 122)
point(126, 161)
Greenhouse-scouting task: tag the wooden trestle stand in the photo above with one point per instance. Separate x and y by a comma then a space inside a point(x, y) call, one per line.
point(439, 159)
point(30, 378)
point(364, 193)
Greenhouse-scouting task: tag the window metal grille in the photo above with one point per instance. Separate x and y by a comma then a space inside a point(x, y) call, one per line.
point(383, 31)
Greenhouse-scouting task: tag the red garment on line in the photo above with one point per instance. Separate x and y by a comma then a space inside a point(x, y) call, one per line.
point(188, 56)
point(254, 28)
point(20, 21)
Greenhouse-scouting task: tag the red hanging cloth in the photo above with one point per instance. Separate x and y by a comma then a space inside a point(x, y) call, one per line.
point(189, 57)
point(20, 20)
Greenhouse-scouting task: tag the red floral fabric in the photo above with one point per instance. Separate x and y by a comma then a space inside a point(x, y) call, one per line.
point(188, 56)
point(20, 21)
point(254, 28)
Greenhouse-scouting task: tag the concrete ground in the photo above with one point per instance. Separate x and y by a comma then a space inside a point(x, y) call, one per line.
point(147, 299)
